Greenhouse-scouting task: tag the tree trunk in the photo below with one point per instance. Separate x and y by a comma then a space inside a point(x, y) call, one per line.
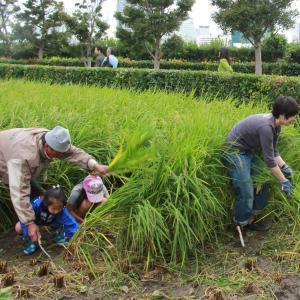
point(88, 55)
point(258, 62)
point(157, 55)
point(89, 62)
point(41, 53)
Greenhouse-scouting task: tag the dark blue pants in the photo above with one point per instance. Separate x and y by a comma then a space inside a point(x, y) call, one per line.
point(243, 166)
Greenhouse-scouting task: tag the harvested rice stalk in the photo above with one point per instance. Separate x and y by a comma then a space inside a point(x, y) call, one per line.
point(23, 293)
point(135, 151)
point(59, 281)
point(43, 269)
point(33, 262)
point(3, 267)
point(250, 264)
point(8, 279)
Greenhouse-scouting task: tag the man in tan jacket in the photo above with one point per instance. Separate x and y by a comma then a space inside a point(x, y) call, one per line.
point(25, 153)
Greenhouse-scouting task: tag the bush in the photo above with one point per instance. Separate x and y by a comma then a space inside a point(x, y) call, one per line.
point(274, 47)
point(173, 47)
point(285, 69)
point(293, 53)
point(240, 86)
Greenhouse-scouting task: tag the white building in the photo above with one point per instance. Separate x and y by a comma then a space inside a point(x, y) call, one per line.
point(187, 31)
point(296, 32)
point(120, 5)
point(204, 36)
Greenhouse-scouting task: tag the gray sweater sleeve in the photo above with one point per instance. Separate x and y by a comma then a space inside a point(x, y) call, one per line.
point(276, 152)
point(267, 144)
point(75, 195)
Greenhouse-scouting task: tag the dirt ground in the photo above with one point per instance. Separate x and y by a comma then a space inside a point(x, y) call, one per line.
point(268, 268)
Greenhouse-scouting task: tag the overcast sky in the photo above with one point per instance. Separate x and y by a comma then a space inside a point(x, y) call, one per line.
point(201, 13)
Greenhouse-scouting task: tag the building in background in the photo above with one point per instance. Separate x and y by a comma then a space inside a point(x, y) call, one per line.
point(120, 5)
point(187, 31)
point(203, 34)
point(296, 32)
point(238, 40)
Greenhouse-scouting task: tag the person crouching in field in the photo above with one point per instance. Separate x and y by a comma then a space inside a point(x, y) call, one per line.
point(90, 192)
point(253, 134)
point(50, 210)
point(25, 154)
point(225, 61)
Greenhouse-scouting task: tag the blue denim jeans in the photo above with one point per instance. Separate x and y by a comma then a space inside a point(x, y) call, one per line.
point(243, 166)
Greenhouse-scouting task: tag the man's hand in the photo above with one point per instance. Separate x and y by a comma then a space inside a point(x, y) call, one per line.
point(104, 199)
point(102, 169)
point(34, 232)
point(287, 187)
point(287, 171)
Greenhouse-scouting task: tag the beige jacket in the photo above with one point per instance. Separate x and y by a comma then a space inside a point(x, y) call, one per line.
point(22, 158)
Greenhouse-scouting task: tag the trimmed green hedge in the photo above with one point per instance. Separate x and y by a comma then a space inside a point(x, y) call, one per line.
point(268, 68)
point(240, 86)
point(53, 61)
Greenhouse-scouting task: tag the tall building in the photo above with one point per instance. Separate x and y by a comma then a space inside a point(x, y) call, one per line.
point(238, 40)
point(120, 5)
point(187, 30)
point(296, 32)
point(204, 35)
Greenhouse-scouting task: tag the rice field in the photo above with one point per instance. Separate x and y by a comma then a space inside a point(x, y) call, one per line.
point(170, 195)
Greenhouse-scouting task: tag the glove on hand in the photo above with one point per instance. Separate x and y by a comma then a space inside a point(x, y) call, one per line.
point(287, 187)
point(287, 172)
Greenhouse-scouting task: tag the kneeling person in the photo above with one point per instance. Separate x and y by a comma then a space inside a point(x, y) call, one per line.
point(50, 211)
point(91, 191)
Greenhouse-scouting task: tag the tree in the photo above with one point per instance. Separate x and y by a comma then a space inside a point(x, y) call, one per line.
point(144, 23)
point(274, 47)
point(39, 22)
point(87, 26)
point(173, 47)
point(254, 18)
point(8, 9)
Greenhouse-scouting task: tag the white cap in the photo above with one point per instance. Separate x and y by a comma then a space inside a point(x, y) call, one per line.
point(58, 139)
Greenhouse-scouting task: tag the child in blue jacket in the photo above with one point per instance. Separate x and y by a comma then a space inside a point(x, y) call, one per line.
point(50, 211)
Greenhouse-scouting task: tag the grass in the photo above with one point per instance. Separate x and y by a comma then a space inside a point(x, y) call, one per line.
point(5, 293)
point(174, 196)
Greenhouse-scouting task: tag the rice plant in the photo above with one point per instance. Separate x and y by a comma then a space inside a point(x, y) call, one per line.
point(176, 197)
point(136, 150)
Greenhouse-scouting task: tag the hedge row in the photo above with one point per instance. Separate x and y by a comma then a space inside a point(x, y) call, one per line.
point(284, 69)
point(240, 86)
point(268, 68)
point(194, 53)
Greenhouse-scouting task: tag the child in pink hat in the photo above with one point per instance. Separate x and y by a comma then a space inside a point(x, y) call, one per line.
point(90, 192)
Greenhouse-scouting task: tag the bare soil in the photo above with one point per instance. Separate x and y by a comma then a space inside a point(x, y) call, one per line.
point(267, 269)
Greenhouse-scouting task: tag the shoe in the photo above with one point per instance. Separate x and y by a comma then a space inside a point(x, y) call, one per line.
point(60, 238)
point(256, 227)
point(31, 248)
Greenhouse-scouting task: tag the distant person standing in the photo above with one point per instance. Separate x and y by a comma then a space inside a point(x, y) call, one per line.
point(225, 61)
point(100, 56)
point(110, 60)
